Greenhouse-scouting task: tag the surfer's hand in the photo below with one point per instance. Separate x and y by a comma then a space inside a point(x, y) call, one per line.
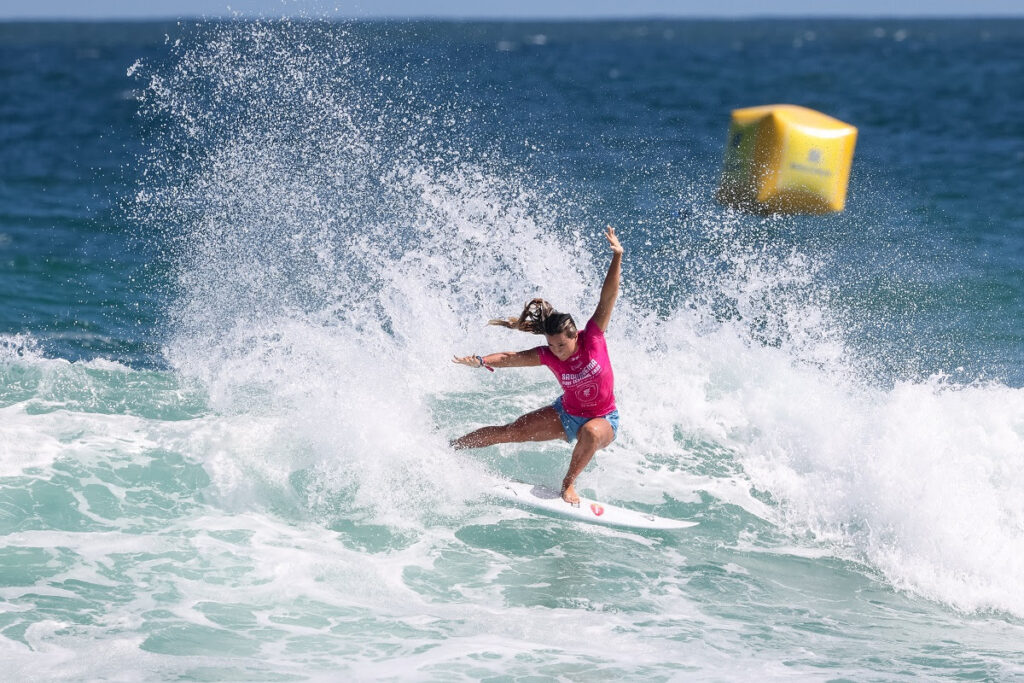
point(471, 361)
point(613, 240)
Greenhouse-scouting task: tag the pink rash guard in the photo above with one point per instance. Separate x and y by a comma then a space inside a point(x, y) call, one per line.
point(586, 377)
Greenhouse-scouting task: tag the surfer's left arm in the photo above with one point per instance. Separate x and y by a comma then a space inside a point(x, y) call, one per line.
point(610, 289)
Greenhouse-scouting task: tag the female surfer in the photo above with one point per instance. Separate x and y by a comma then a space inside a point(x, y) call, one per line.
point(585, 412)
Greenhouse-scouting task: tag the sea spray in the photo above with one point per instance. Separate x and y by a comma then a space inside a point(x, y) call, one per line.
point(322, 250)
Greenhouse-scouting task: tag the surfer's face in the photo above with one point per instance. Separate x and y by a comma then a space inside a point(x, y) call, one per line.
point(561, 345)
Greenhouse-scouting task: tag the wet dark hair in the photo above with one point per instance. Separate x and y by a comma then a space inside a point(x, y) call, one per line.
point(539, 317)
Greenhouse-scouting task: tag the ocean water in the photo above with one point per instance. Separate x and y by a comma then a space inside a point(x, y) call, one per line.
point(236, 258)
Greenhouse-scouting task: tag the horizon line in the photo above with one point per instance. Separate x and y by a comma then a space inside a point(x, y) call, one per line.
point(480, 18)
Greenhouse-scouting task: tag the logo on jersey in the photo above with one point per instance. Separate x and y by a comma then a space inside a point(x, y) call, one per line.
point(592, 369)
point(587, 394)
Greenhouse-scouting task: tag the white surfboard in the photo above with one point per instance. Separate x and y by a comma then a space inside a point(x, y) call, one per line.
point(549, 500)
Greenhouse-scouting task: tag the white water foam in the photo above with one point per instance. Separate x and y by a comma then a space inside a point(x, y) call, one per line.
point(324, 286)
point(922, 481)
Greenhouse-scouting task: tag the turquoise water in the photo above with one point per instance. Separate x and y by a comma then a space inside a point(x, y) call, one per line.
point(235, 259)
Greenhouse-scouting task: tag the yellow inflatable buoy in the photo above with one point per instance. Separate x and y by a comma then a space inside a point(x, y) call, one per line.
point(782, 158)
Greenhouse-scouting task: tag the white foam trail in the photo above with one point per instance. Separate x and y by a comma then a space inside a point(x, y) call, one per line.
point(353, 605)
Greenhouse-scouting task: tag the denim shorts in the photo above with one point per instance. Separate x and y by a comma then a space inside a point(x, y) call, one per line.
point(572, 423)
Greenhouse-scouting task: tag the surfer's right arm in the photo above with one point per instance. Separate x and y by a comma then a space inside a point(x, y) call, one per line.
point(502, 359)
point(610, 289)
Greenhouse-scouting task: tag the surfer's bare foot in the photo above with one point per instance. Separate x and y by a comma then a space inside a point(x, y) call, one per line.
point(569, 494)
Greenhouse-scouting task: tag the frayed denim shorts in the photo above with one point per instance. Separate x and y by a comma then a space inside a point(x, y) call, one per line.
point(572, 423)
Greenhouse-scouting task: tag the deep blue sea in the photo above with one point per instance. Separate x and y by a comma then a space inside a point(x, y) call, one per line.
point(236, 259)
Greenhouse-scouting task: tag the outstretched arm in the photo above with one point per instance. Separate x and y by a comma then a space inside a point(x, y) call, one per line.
point(503, 359)
point(610, 289)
